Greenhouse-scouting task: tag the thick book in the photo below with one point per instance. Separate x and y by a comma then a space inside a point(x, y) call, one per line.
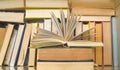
point(32, 51)
point(65, 54)
point(6, 42)
point(107, 40)
point(17, 46)
point(65, 28)
point(65, 65)
point(24, 45)
point(12, 17)
point(10, 48)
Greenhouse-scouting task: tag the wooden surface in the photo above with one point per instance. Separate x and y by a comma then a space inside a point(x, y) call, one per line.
point(65, 54)
point(98, 38)
point(107, 40)
point(65, 66)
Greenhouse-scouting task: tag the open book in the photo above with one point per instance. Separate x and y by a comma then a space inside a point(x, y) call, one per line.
point(65, 36)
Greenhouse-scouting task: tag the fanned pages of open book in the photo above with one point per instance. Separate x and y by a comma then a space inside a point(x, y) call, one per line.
point(65, 36)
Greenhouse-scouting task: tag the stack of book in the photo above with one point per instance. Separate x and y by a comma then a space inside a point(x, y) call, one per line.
point(65, 46)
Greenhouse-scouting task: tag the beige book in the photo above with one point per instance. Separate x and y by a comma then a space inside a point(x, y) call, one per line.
point(47, 24)
point(17, 45)
point(24, 46)
point(31, 68)
point(45, 38)
point(2, 35)
point(79, 28)
point(10, 48)
point(15, 17)
point(41, 25)
point(54, 30)
point(6, 42)
point(107, 40)
point(11, 4)
point(92, 32)
point(65, 65)
point(32, 57)
point(32, 51)
point(47, 3)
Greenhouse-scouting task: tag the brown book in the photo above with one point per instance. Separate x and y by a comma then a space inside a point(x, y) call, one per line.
point(2, 35)
point(65, 54)
point(98, 50)
point(107, 40)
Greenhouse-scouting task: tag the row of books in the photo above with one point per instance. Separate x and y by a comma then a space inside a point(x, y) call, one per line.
point(102, 32)
point(15, 41)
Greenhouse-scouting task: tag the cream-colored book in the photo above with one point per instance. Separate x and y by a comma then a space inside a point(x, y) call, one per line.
point(10, 48)
point(6, 42)
point(17, 46)
point(15, 17)
point(47, 24)
point(65, 65)
point(24, 46)
point(2, 35)
point(45, 38)
point(32, 51)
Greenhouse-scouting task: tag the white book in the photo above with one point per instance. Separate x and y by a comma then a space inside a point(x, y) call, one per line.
point(11, 4)
point(6, 42)
point(44, 13)
point(17, 46)
point(78, 28)
point(31, 61)
point(32, 56)
point(47, 24)
point(24, 46)
point(10, 48)
point(12, 17)
point(41, 25)
point(54, 29)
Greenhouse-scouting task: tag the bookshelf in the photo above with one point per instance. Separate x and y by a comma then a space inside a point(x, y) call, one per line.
point(38, 14)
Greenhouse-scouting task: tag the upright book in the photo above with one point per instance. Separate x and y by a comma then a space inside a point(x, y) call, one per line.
point(10, 48)
point(6, 42)
point(24, 45)
point(17, 46)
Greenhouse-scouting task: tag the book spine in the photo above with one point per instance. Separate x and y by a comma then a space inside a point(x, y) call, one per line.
point(107, 40)
point(6, 42)
point(17, 46)
point(115, 46)
point(47, 24)
point(24, 46)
